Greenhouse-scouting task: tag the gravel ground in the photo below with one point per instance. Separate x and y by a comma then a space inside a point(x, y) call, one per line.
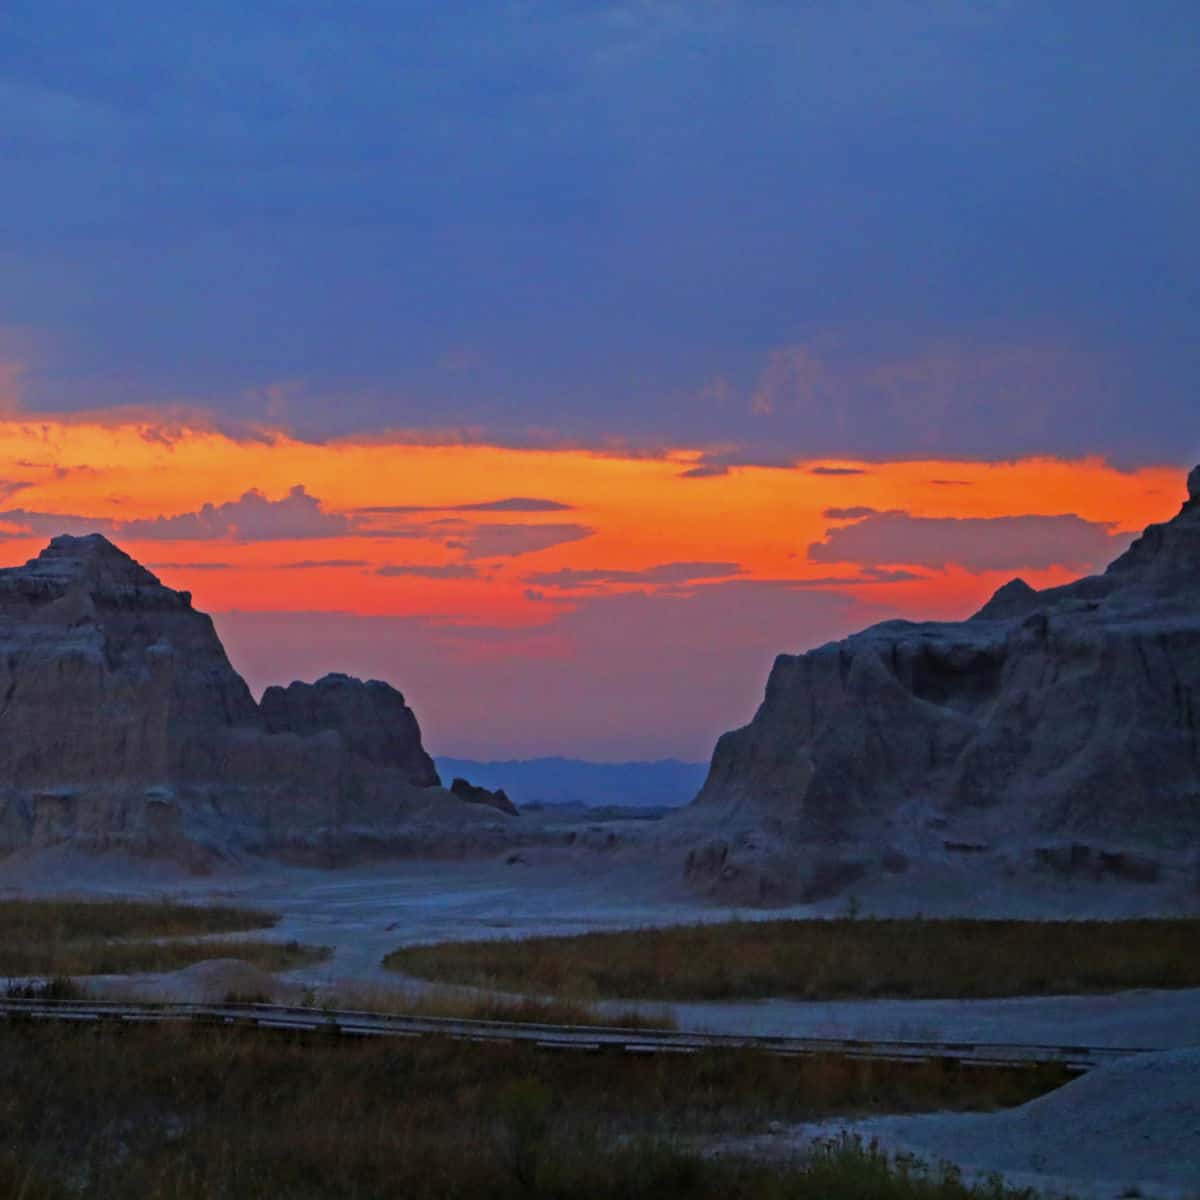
point(1125, 1130)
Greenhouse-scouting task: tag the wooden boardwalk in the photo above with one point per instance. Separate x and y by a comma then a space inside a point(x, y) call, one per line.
point(579, 1038)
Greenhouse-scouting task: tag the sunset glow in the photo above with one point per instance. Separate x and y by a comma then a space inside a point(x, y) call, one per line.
point(564, 364)
point(453, 531)
point(473, 536)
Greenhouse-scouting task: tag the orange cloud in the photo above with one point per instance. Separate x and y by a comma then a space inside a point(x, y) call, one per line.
point(874, 539)
point(399, 528)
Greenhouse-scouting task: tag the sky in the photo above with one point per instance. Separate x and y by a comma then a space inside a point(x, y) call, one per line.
point(562, 363)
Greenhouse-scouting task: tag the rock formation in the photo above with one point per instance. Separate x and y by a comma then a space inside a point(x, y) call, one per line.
point(481, 795)
point(371, 718)
point(1068, 717)
point(124, 726)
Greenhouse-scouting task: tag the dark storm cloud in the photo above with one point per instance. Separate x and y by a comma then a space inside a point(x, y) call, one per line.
point(844, 231)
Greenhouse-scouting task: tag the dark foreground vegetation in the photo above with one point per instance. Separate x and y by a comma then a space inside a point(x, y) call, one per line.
point(194, 1112)
point(826, 960)
point(117, 937)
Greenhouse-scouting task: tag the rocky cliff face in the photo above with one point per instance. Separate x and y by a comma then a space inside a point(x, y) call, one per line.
point(123, 725)
point(1069, 718)
point(371, 718)
point(465, 790)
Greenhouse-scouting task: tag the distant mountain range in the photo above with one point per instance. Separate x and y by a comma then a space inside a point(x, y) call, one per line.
point(667, 782)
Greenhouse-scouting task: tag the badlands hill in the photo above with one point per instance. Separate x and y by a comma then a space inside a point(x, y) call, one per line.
point(1057, 729)
point(123, 726)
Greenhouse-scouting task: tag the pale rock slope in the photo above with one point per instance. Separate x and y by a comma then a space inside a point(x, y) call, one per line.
point(123, 726)
point(1058, 730)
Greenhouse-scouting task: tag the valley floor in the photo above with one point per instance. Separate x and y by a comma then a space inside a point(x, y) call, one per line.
point(364, 912)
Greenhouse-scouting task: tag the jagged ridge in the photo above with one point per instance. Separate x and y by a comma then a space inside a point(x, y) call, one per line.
point(123, 724)
point(1070, 713)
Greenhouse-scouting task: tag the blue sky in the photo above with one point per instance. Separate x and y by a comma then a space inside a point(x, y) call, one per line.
point(341, 272)
point(756, 226)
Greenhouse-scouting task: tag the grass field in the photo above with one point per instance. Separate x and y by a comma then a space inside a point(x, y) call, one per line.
point(826, 960)
point(191, 1113)
point(68, 920)
point(129, 958)
point(117, 937)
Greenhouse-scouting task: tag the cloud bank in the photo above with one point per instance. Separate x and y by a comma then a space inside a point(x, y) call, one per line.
point(973, 543)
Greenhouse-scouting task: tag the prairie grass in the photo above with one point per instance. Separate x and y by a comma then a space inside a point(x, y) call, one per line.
point(821, 960)
point(465, 1006)
point(129, 958)
point(191, 1112)
point(70, 920)
point(120, 937)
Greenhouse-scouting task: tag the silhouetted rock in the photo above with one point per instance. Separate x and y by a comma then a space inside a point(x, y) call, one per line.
point(124, 726)
point(1073, 711)
point(480, 795)
point(371, 718)
point(1014, 599)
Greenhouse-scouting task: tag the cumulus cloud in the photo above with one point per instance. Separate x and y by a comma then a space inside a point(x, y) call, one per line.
point(251, 518)
point(663, 573)
point(298, 515)
point(975, 543)
point(48, 524)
